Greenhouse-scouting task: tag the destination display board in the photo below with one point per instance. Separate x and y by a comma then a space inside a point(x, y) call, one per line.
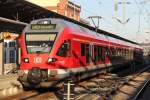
point(43, 26)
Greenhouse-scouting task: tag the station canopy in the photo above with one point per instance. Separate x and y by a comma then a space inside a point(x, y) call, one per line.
point(7, 25)
point(16, 13)
point(25, 11)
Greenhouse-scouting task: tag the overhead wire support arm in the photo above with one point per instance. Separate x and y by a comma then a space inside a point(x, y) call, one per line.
point(92, 19)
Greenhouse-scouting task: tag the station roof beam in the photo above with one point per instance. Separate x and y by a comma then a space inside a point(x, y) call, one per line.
point(11, 26)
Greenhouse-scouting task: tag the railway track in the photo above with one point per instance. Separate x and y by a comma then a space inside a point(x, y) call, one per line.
point(99, 87)
point(142, 90)
point(102, 86)
point(128, 90)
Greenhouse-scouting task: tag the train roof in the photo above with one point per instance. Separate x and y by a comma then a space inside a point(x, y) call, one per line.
point(98, 30)
point(102, 34)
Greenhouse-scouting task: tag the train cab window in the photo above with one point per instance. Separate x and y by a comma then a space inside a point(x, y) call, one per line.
point(64, 50)
point(82, 49)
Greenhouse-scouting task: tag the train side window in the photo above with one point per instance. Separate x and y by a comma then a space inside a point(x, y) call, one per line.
point(103, 54)
point(87, 53)
point(64, 49)
point(99, 53)
point(95, 53)
point(107, 52)
point(82, 49)
point(111, 52)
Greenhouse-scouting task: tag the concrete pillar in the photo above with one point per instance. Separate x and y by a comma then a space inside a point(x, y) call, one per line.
point(1, 56)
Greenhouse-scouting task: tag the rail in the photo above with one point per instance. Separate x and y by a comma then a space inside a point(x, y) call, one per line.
point(142, 90)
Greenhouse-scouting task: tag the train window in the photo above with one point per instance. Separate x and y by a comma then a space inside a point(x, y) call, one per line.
point(87, 53)
point(95, 53)
point(103, 54)
point(99, 53)
point(40, 42)
point(107, 52)
point(113, 51)
point(64, 50)
point(82, 49)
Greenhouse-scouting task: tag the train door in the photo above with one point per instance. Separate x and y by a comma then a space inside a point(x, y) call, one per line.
point(64, 52)
point(77, 58)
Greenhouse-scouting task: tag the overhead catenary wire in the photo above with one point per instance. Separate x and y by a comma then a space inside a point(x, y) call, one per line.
point(107, 20)
point(142, 13)
point(141, 7)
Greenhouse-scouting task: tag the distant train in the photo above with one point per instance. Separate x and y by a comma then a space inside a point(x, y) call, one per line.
point(53, 49)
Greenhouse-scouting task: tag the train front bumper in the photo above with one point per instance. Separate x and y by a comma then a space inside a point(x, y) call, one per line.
point(52, 78)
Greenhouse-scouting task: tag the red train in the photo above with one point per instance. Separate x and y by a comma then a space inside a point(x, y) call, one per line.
point(53, 49)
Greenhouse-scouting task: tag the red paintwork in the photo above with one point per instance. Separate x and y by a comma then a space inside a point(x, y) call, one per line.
point(68, 62)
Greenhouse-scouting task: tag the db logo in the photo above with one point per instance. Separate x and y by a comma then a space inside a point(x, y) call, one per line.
point(38, 60)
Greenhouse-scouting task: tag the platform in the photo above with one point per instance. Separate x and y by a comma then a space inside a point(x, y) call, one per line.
point(7, 81)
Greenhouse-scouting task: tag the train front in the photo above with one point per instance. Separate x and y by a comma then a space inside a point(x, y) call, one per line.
point(38, 49)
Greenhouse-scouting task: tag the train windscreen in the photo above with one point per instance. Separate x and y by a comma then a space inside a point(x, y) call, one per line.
point(40, 43)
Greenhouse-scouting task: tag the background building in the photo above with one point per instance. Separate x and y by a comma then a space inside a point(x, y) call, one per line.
point(146, 49)
point(63, 7)
point(9, 52)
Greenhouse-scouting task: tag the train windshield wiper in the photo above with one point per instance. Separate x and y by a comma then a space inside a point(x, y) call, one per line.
point(38, 52)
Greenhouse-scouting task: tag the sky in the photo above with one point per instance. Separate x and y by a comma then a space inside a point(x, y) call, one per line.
point(135, 11)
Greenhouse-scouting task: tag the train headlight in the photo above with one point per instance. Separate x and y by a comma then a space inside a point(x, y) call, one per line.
point(26, 71)
point(26, 60)
point(51, 60)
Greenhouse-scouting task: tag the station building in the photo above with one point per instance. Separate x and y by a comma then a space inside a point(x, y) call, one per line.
point(146, 49)
point(8, 53)
point(63, 7)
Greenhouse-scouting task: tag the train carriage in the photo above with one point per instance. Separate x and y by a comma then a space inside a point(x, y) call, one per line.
point(53, 49)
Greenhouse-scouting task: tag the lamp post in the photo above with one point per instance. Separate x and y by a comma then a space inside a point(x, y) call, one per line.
point(1, 54)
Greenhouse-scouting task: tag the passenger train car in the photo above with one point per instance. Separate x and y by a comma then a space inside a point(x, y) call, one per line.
point(54, 49)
